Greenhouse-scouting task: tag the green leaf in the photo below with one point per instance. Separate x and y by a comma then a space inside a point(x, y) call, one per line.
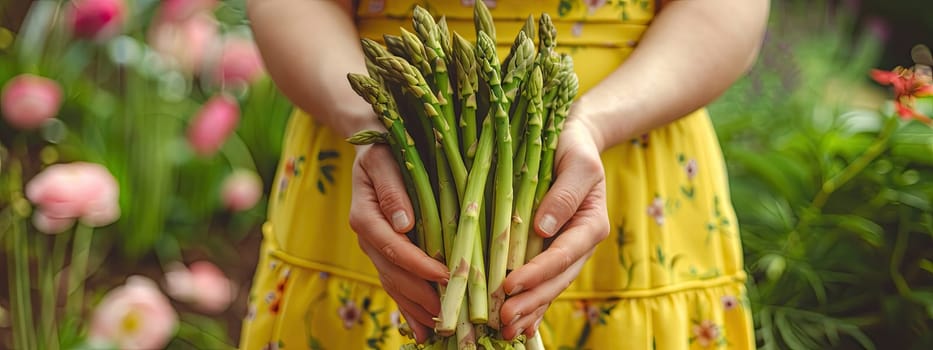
point(866, 229)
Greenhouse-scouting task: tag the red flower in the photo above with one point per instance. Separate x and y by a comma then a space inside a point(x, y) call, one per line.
point(907, 86)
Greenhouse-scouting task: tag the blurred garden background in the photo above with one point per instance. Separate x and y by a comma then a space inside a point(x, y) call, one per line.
point(139, 138)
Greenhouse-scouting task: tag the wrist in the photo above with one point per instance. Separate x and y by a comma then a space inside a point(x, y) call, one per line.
point(580, 114)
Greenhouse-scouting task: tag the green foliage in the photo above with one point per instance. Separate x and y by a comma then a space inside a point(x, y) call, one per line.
point(831, 195)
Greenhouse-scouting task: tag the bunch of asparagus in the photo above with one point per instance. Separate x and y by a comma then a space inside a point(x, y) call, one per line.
point(453, 115)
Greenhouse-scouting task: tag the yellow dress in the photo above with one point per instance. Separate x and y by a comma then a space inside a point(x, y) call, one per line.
point(670, 275)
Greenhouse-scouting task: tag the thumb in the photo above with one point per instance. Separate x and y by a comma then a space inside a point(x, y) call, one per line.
point(386, 179)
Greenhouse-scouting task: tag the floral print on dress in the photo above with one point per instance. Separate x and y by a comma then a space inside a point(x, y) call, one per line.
point(326, 158)
point(690, 171)
point(350, 314)
point(656, 210)
point(706, 333)
point(274, 345)
point(293, 166)
point(729, 302)
point(596, 314)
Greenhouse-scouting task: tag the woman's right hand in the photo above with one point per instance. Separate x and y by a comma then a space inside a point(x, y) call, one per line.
point(381, 214)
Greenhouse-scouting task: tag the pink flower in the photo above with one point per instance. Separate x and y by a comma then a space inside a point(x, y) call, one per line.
point(65, 192)
point(729, 302)
point(240, 62)
point(241, 190)
point(350, 314)
point(179, 10)
point(706, 333)
point(202, 284)
point(96, 19)
point(28, 101)
point(133, 316)
point(656, 210)
point(213, 124)
point(189, 43)
point(691, 169)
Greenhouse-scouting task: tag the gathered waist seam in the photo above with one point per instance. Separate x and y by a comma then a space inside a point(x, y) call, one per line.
point(721, 281)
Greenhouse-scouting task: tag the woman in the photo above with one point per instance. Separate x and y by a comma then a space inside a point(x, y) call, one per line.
point(648, 251)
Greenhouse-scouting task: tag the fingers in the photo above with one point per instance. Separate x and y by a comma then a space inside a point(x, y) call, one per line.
point(589, 227)
point(386, 179)
point(411, 293)
point(526, 324)
point(521, 312)
point(575, 176)
point(421, 332)
point(376, 231)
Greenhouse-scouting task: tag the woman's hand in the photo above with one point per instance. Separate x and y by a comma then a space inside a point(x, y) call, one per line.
point(381, 214)
point(574, 209)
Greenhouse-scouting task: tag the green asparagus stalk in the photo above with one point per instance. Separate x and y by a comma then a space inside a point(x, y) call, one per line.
point(567, 92)
point(467, 230)
point(529, 30)
point(466, 331)
point(482, 20)
point(418, 55)
point(466, 76)
point(444, 37)
point(547, 36)
point(522, 61)
point(486, 57)
point(396, 45)
point(449, 205)
point(477, 289)
point(402, 72)
point(430, 37)
point(377, 97)
point(416, 123)
point(521, 216)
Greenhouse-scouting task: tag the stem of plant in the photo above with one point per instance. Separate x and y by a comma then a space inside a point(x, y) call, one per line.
point(79, 257)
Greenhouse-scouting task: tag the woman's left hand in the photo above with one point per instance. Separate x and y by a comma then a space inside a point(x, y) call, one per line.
point(574, 207)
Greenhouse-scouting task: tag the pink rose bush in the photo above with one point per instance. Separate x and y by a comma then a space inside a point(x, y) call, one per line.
point(180, 10)
point(240, 62)
point(133, 316)
point(211, 126)
point(96, 19)
point(81, 191)
point(27, 101)
point(241, 190)
point(188, 44)
point(202, 284)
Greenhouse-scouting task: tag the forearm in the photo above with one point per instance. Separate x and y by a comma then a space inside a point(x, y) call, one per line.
point(309, 46)
point(693, 51)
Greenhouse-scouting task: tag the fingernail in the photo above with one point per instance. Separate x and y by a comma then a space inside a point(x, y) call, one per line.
point(515, 319)
point(517, 289)
point(400, 220)
point(537, 324)
point(548, 224)
point(519, 332)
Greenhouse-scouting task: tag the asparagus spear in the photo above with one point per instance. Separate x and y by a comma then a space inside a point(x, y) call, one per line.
point(482, 20)
point(418, 55)
point(468, 228)
point(486, 55)
point(402, 72)
point(462, 254)
point(466, 76)
point(529, 30)
point(430, 37)
point(377, 97)
point(521, 216)
point(416, 124)
point(519, 66)
point(567, 92)
point(396, 45)
point(444, 37)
